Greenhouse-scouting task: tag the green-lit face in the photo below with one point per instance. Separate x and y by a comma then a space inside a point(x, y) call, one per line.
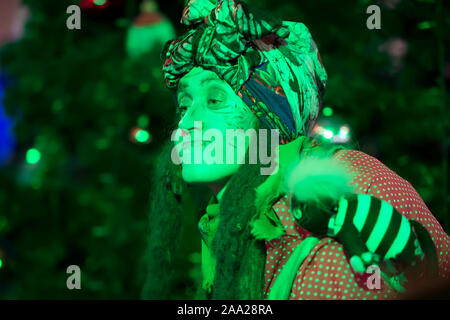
point(209, 105)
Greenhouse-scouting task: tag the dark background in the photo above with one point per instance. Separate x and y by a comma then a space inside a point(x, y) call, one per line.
point(83, 116)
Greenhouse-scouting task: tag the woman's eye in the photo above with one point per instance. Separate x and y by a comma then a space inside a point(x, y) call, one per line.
point(183, 103)
point(182, 110)
point(214, 103)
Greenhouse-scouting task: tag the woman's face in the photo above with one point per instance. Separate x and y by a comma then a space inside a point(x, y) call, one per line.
point(209, 107)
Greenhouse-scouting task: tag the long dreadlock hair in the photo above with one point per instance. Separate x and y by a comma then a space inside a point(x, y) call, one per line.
point(164, 226)
point(240, 258)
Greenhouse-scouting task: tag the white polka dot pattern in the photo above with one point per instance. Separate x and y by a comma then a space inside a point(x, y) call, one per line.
point(326, 272)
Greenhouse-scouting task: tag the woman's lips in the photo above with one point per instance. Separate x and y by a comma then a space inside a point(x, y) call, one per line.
point(193, 143)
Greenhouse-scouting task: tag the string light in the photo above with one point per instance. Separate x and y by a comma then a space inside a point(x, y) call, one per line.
point(342, 136)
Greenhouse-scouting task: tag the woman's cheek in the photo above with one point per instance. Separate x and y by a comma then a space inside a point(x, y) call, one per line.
point(232, 117)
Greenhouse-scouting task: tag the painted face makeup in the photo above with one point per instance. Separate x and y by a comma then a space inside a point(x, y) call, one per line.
point(209, 107)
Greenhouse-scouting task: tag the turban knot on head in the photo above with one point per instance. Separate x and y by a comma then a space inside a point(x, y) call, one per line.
point(273, 65)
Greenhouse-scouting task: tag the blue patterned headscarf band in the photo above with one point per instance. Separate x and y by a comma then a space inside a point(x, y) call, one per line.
point(273, 65)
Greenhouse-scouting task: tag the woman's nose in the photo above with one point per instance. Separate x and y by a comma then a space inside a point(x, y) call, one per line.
point(213, 210)
point(184, 133)
point(192, 114)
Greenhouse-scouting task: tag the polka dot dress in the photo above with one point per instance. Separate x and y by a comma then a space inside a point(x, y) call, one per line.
point(326, 272)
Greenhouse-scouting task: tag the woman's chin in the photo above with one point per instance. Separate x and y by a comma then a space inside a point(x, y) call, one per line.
point(206, 173)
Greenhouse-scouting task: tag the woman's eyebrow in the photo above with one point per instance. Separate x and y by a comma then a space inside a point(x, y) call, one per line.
point(217, 85)
point(209, 79)
point(183, 85)
point(182, 95)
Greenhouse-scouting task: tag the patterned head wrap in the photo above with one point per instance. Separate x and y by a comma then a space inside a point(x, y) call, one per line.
point(273, 65)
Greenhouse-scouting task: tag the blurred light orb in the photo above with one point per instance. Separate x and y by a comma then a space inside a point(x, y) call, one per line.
point(327, 112)
point(328, 134)
point(342, 136)
point(139, 135)
point(142, 136)
point(318, 130)
point(343, 132)
point(100, 2)
point(391, 4)
point(143, 121)
point(150, 30)
point(33, 156)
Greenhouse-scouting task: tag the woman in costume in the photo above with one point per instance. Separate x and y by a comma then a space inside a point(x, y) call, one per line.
point(326, 222)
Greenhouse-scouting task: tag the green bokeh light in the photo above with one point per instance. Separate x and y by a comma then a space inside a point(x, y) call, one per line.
point(1, 263)
point(142, 136)
point(99, 2)
point(144, 87)
point(33, 156)
point(327, 112)
point(143, 121)
point(425, 25)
